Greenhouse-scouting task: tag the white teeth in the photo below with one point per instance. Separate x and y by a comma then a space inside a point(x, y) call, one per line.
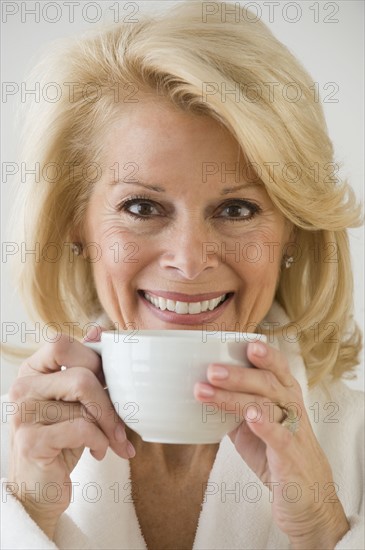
point(170, 305)
point(213, 303)
point(195, 307)
point(183, 308)
point(205, 305)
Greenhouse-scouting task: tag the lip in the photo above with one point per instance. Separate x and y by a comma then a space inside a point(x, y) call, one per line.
point(179, 297)
point(186, 319)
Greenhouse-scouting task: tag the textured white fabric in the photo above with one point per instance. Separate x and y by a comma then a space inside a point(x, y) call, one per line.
point(236, 509)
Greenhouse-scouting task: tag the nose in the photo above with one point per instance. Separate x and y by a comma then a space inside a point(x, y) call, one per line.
point(191, 250)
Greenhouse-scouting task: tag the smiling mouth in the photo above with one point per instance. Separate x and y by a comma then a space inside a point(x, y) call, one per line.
point(185, 308)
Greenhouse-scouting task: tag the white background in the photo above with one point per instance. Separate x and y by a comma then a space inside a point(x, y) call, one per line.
point(328, 38)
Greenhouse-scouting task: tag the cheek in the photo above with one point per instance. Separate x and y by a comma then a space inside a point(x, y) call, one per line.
point(255, 257)
point(122, 256)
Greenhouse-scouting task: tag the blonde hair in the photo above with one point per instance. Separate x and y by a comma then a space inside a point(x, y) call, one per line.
point(191, 62)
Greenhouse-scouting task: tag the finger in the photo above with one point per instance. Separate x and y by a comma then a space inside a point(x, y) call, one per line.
point(276, 437)
point(50, 357)
point(246, 380)
point(266, 357)
point(44, 443)
point(93, 334)
point(76, 384)
point(238, 403)
point(48, 412)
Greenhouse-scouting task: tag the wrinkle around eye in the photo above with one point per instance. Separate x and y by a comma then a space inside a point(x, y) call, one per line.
point(115, 225)
point(251, 209)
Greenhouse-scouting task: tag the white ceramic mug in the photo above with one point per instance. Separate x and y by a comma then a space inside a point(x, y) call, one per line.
point(151, 374)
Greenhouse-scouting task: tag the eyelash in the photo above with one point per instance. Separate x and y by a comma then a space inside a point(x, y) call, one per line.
point(124, 205)
point(254, 208)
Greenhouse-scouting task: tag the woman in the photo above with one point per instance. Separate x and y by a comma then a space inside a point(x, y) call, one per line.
point(172, 203)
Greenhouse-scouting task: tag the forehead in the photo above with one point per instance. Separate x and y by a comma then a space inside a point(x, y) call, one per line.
point(157, 135)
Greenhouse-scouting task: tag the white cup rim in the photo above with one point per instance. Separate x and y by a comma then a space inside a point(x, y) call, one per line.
point(185, 334)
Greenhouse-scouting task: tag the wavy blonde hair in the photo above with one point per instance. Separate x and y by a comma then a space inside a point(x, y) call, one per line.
point(189, 62)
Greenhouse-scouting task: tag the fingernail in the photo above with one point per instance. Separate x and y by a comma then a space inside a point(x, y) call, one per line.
point(218, 372)
point(259, 349)
point(206, 391)
point(252, 414)
point(119, 433)
point(93, 333)
point(131, 450)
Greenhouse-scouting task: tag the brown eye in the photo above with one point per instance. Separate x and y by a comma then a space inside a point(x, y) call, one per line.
point(239, 211)
point(142, 208)
point(236, 211)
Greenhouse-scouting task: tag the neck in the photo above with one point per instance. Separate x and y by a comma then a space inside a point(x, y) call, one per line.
point(172, 459)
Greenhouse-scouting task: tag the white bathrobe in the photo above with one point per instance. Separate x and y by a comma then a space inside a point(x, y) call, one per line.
point(236, 508)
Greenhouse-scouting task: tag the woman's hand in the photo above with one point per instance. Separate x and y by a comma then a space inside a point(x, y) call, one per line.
point(292, 465)
point(59, 413)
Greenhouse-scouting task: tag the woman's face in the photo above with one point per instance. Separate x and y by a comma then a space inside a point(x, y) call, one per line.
point(185, 238)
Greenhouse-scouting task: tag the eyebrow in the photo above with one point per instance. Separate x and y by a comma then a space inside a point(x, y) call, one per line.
point(228, 190)
point(225, 191)
point(140, 184)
